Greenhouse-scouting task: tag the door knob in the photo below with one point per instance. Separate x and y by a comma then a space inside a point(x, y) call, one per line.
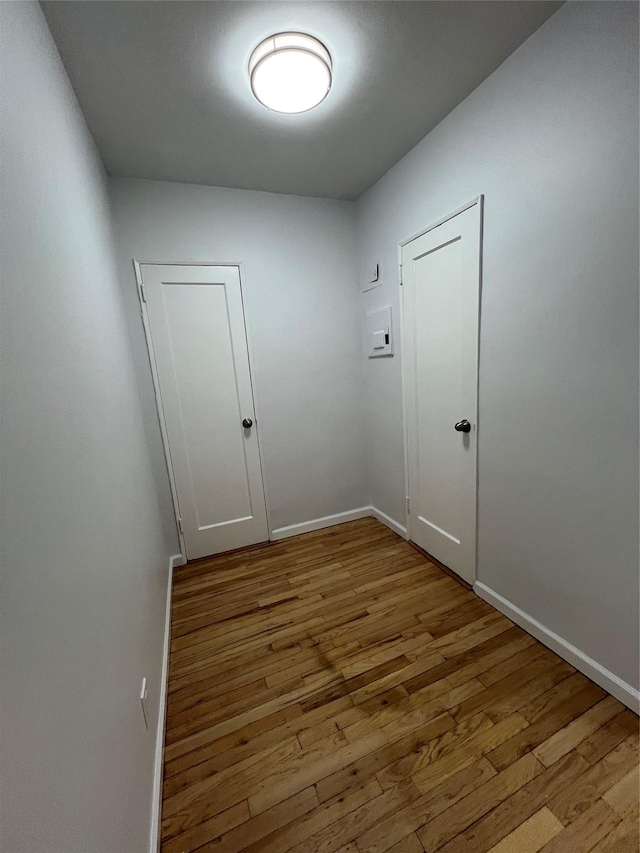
point(463, 426)
point(247, 423)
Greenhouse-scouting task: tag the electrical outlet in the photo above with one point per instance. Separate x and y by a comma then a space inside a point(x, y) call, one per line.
point(144, 703)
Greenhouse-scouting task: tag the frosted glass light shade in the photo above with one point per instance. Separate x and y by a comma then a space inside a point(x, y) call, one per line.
point(290, 72)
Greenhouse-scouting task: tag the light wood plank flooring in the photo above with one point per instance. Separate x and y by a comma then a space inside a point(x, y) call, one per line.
point(338, 693)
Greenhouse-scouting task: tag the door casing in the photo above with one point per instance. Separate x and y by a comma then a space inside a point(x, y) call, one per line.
point(479, 201)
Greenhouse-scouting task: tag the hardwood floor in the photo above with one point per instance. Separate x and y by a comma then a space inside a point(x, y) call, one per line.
point(338, 693)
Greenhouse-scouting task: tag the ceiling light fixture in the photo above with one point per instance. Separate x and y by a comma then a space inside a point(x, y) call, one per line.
point(290, 72)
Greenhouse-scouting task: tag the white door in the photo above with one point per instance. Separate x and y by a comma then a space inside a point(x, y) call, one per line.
point(441, 296)
point(199, 345)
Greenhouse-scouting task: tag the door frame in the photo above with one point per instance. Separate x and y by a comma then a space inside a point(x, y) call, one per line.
point(137, 264)
point(478, 200)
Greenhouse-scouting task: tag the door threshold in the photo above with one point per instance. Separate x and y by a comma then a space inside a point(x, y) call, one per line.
point(440, 565)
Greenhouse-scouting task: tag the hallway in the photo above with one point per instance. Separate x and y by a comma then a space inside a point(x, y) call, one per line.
point(336, 692)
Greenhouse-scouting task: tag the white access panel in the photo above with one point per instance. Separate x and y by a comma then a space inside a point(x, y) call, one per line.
point(378, 332)
point(370, 277)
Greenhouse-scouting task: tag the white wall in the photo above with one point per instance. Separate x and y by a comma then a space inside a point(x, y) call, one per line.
point(301, 305)
point(84, 560)
point(551, 139)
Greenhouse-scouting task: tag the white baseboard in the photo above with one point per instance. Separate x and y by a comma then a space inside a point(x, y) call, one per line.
point(319, 523)
point(156, 803)
point(589, 667)
point(177, 560)
point(393, 525)
point(338, 518)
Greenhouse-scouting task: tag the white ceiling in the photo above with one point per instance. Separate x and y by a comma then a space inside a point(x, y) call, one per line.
point(164, 85)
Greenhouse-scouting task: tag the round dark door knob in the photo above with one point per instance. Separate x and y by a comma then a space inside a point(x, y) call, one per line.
point(247, 423)
point(463, 426)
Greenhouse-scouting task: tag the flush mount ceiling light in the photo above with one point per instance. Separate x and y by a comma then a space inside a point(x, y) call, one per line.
point(290, 72)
